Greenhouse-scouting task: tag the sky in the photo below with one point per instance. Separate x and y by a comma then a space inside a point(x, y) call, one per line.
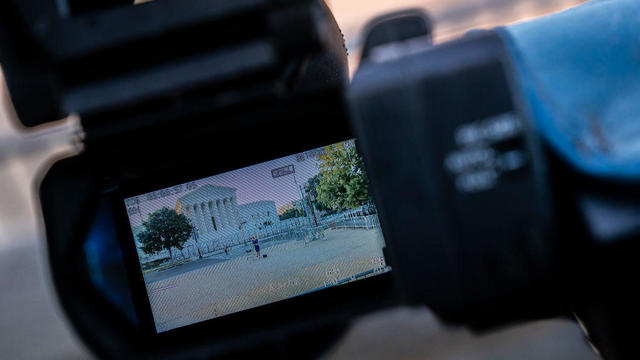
point(253, 183)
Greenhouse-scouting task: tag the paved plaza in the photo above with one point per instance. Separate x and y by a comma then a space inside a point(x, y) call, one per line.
point(211, 288)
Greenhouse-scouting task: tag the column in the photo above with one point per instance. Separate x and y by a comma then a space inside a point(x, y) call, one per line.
point(196, 215)
point(227, 211)
point(216, 215)
point(223, 221)
point(235, 211)
point(187, 212)
point(203, 218)
point(207, 216)
point(210, 209)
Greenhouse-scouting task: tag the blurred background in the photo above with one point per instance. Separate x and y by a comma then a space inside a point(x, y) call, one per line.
point(32, 325)
point(451, 18)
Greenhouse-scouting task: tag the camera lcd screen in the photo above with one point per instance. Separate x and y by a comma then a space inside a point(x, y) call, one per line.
point(256, 235)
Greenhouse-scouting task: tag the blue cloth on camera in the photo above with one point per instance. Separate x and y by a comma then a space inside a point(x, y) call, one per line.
point(579, 72)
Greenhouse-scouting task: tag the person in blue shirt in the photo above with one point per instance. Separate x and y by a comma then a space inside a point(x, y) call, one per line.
point(256, 245)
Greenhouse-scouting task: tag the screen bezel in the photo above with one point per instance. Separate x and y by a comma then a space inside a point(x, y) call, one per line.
point(332, 300)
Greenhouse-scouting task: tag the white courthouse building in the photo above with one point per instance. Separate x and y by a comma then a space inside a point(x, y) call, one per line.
point(215, 212)
point(255, 215)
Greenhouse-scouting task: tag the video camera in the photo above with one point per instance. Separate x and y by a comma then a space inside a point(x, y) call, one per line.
point(222, 208)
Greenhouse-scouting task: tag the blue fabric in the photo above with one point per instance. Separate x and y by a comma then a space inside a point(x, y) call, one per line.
point(580, 76)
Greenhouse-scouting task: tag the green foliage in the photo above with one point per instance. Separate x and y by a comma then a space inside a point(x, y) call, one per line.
point(164, 230)
point(343, 182)
point(292, 213)
point(312, 190)
point(312, 186)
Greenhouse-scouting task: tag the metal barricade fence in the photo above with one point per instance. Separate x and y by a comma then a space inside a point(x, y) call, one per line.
point(302, 229)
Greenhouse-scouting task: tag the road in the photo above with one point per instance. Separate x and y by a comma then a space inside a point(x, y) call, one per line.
point(233, 252)
point(180, 269)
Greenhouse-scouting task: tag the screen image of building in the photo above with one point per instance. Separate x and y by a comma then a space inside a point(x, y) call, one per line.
point(215, 212)
point(259, 214)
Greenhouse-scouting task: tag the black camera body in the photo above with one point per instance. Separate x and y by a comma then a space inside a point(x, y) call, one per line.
point(172, 91)
point(475, 215)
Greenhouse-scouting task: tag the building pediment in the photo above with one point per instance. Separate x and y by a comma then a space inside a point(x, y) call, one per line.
point(208, 192)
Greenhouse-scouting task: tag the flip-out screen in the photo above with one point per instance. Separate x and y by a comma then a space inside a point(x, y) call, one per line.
point(256, 235)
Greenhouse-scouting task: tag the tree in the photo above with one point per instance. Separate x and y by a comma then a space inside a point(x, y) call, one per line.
point(343, 182)
point(312, 190)
point(164, 230)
